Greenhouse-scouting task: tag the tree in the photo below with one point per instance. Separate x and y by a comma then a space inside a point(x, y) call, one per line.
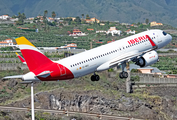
point(45, 20)
point(82, 16)
point(107, 22)
point(14, 16)
point(45, 13)
point(147, 21)
point(53, 15)
point(78, 20)
point(21, 18)
point(87, 17)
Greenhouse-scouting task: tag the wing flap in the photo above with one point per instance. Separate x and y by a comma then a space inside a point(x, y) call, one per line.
point(124, 57)
point(118, 60)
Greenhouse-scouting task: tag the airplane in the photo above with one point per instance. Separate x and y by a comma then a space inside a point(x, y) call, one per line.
point(21, 58)
point(139, 48)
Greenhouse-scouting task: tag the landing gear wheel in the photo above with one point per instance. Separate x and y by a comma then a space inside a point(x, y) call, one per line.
point(92, 78)
point(123, 75)
point(95, 78)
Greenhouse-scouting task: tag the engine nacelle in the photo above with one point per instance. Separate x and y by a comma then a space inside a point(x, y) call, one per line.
point(148, 59)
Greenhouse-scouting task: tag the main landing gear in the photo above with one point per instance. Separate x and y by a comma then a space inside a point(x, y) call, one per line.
point(123, 74)
point(95, 77)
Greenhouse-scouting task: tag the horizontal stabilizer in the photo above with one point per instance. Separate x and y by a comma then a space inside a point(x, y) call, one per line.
point(15, 76)
point(44, 74)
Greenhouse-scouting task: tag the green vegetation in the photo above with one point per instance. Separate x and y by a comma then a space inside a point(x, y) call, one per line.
point(168, 64)
point(50, 35)
point(21, 18)
point(135, 78)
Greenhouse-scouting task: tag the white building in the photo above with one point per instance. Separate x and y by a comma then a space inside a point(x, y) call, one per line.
point(77, 32)
point(130, 31)
point(68, 46)
point(4, 17)
point(113, 31)
point(14, 19)
point(50, 19)
point(6, 43)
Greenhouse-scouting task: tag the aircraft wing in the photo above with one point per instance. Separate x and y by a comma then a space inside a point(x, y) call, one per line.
point(120, 59)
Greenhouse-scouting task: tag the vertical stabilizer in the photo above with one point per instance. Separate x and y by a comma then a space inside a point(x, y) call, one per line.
point(33, 57)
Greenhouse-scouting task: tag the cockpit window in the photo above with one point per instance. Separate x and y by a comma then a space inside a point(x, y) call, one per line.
point(164, 33)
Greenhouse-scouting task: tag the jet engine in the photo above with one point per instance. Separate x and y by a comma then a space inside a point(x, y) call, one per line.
point(148, 59)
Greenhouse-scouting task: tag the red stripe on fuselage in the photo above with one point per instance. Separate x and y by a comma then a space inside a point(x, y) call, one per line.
point(150, 40)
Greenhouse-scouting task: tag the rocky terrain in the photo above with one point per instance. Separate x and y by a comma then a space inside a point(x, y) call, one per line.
point(104, 97)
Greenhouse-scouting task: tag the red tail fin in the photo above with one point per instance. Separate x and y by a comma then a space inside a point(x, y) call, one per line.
point(34, 58)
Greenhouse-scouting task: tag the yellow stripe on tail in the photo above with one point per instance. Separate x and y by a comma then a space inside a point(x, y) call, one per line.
point(23, 41)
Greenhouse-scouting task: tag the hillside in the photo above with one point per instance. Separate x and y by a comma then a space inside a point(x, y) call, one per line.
point(130, 11)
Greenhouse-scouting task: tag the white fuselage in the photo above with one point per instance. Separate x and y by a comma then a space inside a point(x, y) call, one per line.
point(87, 62)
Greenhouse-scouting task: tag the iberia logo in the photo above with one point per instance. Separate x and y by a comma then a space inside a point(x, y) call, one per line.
point(139, 39)
point(136, 40)
point(152, 57)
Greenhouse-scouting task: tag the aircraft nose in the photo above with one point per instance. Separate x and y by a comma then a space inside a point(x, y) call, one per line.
point(169, 37)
